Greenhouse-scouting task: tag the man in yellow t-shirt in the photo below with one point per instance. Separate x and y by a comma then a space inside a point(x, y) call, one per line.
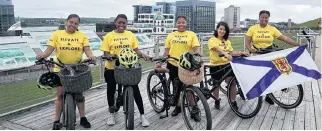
point(70, 46)
point(112, 45)
point(176, 44)
point(263, 35)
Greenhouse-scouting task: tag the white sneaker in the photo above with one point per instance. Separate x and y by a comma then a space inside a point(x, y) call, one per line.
point(111, 119)
point(144, 121)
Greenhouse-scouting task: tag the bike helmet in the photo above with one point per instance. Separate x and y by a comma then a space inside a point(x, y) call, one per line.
point(47, 80)
point(190, 61)
point(128, 58)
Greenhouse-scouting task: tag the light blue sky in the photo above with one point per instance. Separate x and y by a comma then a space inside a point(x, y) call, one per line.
point(281, 10)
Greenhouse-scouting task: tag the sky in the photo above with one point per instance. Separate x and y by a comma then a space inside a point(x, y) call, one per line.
point(281, 10)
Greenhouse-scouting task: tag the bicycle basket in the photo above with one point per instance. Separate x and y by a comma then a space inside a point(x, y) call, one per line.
point(81, 80)
point(127, 76)
point(191, 77)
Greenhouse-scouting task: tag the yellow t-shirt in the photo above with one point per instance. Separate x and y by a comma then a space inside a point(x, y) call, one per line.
point(263, 37)
point(179, 43)
point(114, 43)
point(215, 60)
point(68, 47)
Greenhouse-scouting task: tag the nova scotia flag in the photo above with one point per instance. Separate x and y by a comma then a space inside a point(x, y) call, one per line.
point(263, 74)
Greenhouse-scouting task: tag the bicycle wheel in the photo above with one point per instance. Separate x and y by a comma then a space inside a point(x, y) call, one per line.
point(244, 108)
point(70, 115)
point(156, 91)
point(279, 98)
point(192, 102)
point(129, 108)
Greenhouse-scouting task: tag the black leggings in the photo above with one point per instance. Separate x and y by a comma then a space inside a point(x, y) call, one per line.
point(111, 88)
point(173, 73)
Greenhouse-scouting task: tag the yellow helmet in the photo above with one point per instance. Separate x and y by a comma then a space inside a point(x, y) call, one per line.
point(128, 58)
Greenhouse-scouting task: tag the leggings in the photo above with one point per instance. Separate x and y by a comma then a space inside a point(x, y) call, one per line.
point(111, 88)
point(173, 73)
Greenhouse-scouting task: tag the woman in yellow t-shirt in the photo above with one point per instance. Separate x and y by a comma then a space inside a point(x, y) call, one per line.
point(263, 35)
point(69, 45)
point(112, 45)
point(219, 44)
point(176, 44)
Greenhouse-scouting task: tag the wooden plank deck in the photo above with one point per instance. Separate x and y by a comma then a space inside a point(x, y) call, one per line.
point(271, 117)
point(306, 116)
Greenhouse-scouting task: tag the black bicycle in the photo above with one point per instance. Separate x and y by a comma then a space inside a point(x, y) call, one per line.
point(295, 96)
point(125, 77)
point(247, 105)
point(161, 93)
point(75, 78)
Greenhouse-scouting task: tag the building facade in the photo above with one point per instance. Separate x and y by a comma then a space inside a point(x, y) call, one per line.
point(167, 7)
point(7, 17)
point(147, 22)
point(232, 17)
point(201, 15)
point(138, 9)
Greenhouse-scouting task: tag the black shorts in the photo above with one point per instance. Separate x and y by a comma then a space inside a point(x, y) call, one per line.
point(173, 71)
point(221, 73)
point(57, 81)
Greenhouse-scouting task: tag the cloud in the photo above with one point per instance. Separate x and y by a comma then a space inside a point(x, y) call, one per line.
point(281, 10)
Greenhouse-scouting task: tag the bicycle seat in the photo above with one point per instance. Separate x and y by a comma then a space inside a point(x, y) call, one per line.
point(161, 70)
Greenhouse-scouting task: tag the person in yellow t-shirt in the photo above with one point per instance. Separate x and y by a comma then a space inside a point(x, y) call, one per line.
point(262, 35)
point(176, 44)
point(219, 44)
point(112, 45)
point(69, 45)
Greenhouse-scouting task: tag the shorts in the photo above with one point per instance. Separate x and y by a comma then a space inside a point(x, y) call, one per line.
point(220, 74)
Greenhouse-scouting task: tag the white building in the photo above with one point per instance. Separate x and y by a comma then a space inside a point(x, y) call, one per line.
point(147, 21)
point(250, 22)
point(232, 17)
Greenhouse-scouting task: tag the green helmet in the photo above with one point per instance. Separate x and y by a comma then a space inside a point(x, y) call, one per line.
point(128, 58)
point(190, 61)
point(47, 80)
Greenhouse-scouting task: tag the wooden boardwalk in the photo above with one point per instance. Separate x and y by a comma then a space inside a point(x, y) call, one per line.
point(271, 117)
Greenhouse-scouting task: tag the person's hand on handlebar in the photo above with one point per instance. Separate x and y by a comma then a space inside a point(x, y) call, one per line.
point(228, 56)
point(38, 57)
point(93, 58)
point(146, 57)
point(244, 53)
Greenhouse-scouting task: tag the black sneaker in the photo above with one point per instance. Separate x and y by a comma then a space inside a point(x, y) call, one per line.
point(235, 105)
point(217, 103)
point(57, 126)
point(176, 111)
point(195, 113)
point(269, 100)
point(85, 123)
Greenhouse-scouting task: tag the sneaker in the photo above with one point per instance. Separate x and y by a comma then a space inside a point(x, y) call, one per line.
point(217, 103)
point(235, 105)
point(144, 121)
point(176, 111)
point(269, 100)
point(85, 123)
point(195, 113)
point(111, 119)
point(57, 126)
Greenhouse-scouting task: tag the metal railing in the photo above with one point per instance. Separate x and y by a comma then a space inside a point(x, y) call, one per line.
point(19, 88)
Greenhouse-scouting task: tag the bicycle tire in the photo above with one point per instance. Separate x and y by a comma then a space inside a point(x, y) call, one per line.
point(291, 106)
point(129, 108)
point(204, 102)
point(254, 113)
point(156, 109)
point(70, 112)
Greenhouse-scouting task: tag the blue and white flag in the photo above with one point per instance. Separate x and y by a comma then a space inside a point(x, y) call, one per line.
point(263, 74)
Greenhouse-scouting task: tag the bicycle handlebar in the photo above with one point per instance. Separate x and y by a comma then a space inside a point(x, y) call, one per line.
point(164, 59)
point(111, 58)
point(239, 56)
point(51, 61)
point(265, 51)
